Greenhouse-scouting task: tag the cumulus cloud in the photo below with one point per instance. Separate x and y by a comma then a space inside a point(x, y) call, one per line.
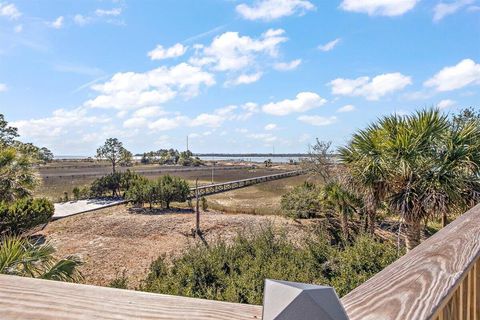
point(131, 90)
point(379, 7)
point(347, 108)
point(329, 45)
point(317, 120)
point(464, 73)
point(160, 53)
point(57, 23)
point(287, 66)
point(268, 10)
point(9, 10)
point(446, 103)
point(371, 89)
point(149, 112)
point(244, 79)
point(441, 10)
point(304, 101)
point(232, 52)
point(62, 123)
point(112, 12)
point(270, 126)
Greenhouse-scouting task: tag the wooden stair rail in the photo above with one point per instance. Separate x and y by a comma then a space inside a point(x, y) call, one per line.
point(438, 280)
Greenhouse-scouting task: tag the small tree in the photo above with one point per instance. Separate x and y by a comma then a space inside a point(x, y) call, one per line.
point(114, 152)
point(302, 202)
point(172, 189)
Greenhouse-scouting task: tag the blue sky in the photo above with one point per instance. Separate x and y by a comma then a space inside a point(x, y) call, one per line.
point(235, 76)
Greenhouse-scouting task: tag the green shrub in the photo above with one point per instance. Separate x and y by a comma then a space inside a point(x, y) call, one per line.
point(204, 204)
point(24, 214)
point(120, 282)
point(303, 202)
point(236, 271)
point(76, 193)
point(359, 262)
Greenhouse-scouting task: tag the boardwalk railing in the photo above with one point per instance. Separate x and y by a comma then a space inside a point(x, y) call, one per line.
point(438, 280)
point(210, 189)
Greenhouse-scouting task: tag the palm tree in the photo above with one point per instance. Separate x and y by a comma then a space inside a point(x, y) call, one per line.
point(363, 160)
point(19, 256)
point(453, 183)
point(17, 177)
point(342, 202)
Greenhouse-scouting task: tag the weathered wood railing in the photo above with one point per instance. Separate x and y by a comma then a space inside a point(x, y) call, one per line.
point(215, 188)
point(438, 280)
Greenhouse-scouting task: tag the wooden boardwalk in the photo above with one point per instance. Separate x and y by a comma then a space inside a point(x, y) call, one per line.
point(215, 188)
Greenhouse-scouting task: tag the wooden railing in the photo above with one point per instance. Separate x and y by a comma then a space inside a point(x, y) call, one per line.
point(438, 280)
point(215, 188)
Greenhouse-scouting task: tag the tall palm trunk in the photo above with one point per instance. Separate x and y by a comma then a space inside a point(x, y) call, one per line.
point(344, 221)
point(412, 234)
point(444, 219)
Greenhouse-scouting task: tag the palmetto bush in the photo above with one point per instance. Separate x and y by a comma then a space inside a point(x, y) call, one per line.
point(21, 257)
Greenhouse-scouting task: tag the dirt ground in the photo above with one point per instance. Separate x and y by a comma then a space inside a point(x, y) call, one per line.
point(117, 239)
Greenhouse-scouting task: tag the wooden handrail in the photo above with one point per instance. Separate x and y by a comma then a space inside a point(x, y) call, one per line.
point(439, 279)
point(27, 298)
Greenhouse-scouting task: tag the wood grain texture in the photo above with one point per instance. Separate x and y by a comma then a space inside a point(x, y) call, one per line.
point(34, 299)
point(426, 280)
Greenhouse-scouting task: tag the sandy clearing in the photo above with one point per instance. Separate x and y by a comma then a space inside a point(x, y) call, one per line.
point(115, 239)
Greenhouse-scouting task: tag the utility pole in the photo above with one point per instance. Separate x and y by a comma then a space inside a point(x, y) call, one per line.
point(197, 210)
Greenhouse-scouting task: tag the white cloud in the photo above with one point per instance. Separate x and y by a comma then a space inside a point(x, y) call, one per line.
point(81, 20)
point(3, 87)
point(9, 10)
point(304, 101)
point(379, 7)
point(317, 120)
point(160, 52)
point(347, 108)
point(149, 112)
point(464, 73)
point(165, 124)
point(113, 12)
point(244, 79)
point(329, 45)
point(265, 137)
point(57, 23)
point(273, 9)
point(232, 52)
point(371, 89)
point(287, 66)
point(441, 10)
point(130, 90)
point(270, 126)
point(62, 123)
point(136, 122)
point(446, 103)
